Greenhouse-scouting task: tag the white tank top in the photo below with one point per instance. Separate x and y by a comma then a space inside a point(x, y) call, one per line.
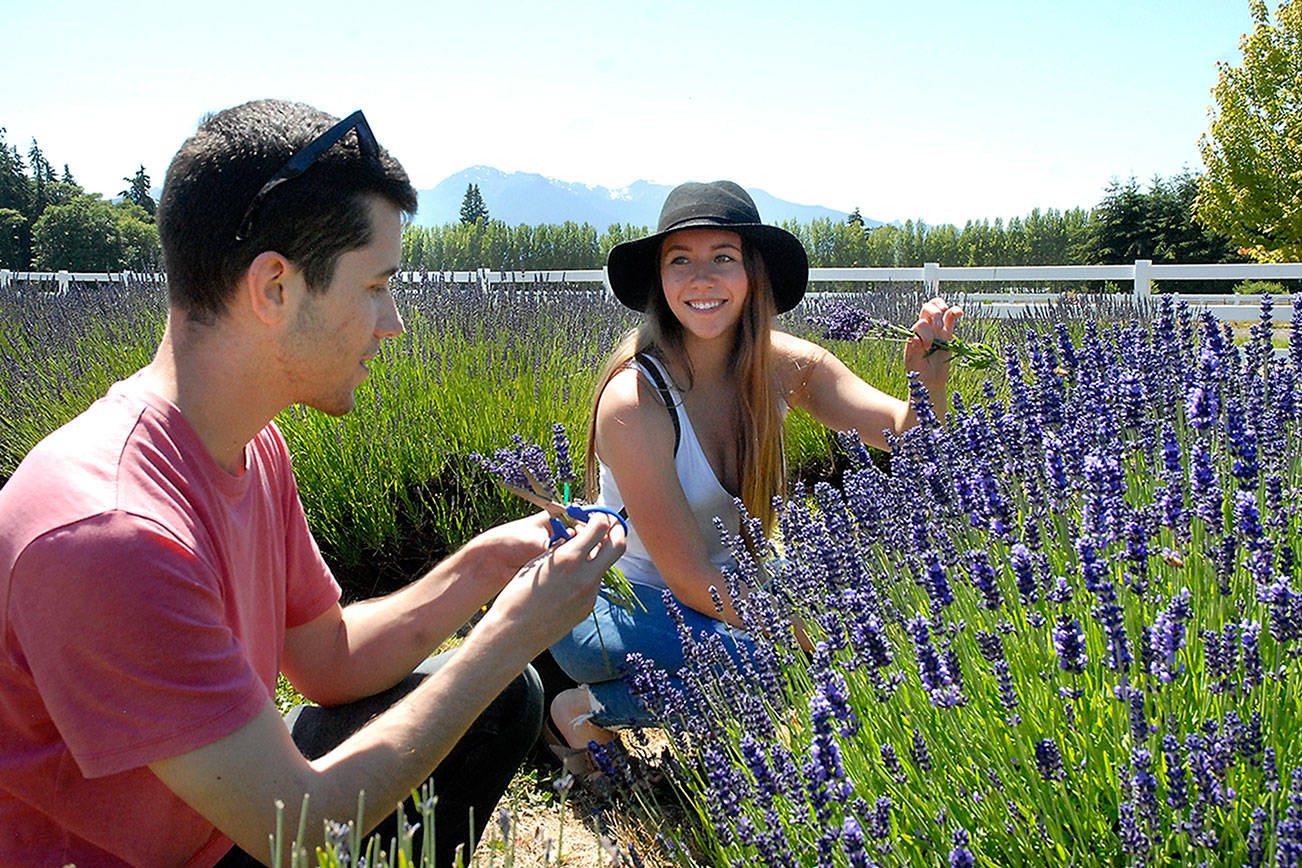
point(705, 495)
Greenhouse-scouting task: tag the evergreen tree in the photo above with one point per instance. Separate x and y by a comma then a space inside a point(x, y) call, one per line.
point(137, 193)
point(42, 177)
point(1121, 230)
point(855, 218)
point(472, 205)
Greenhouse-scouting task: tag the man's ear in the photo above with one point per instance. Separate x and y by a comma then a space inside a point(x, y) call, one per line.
point(264, 285)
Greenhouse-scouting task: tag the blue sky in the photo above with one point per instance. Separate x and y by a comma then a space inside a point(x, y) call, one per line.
point(937, 110)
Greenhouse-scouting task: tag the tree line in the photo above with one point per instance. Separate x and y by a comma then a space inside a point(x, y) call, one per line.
point(1129, 223)
point(49, 222)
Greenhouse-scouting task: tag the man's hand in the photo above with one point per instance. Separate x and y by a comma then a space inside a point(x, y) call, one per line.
point(556, 590)
point(504, 550)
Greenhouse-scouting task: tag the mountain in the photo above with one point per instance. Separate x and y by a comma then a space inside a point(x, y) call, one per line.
point(525, 197)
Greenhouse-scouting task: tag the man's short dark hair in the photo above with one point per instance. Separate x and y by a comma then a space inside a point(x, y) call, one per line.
point(311, 219)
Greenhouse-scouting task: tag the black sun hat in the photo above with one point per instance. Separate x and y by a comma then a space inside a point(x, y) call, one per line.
point(633, 267)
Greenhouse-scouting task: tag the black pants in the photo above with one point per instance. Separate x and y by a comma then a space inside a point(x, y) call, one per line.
point(474, 775)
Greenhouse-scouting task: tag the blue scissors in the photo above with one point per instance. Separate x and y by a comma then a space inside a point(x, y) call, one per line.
point(563, 517)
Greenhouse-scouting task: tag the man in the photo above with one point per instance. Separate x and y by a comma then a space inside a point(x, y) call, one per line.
point(156, 570)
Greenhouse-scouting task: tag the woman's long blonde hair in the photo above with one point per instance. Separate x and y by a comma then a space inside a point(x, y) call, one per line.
point(759, 437)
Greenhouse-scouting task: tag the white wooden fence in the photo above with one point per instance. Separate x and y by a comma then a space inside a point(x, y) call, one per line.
point(933, 277)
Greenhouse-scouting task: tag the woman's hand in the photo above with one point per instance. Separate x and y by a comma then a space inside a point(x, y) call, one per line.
point(936, 321)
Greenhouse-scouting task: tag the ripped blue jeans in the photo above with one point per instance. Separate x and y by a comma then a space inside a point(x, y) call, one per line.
point(595, 651)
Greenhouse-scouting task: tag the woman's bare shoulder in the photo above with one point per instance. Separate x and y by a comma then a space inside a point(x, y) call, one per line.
point(631, 405)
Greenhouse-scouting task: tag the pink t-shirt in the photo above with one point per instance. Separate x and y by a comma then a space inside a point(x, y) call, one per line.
point(144, 598)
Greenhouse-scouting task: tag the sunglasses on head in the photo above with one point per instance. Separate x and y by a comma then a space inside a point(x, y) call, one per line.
point(303, 160)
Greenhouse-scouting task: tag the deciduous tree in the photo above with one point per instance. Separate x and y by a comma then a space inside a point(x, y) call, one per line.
point(1252, 190)
point(82, 235)
point(13, 239)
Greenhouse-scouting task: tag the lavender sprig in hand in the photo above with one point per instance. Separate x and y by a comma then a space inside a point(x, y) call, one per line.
point(846, 323)
point(523, 469)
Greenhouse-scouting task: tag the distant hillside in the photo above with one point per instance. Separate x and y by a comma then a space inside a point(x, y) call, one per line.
point(524, 197)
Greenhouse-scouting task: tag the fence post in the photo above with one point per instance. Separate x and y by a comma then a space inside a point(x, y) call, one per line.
point(5, 276)
point(63, 278)
point(931, 278)
point(1143, 278)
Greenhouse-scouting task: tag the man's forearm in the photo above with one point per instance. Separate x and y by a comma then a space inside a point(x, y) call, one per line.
point(236, 781)
point(371, 645)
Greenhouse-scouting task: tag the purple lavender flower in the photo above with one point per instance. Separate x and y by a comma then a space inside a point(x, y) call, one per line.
point(1144, 784)
point(727, 791)
point(1250, 640)
point(1134, 840)
point(1243, 444)
point(1247, 520)
point(824, 771)
point(960, 856)
point(920, 398)
point(1048, 760)
point(852, 841)
point(1069, 642)
point(937, 680)
point(1295, 333)
point(844, 323)
point(1103, 506)
point(983, 579)
point(1055, 466)
point(834, 691)
point(879, 824)
point(1204, 487)
point(936, 581)
point(1257, 839)
point(921, 756)
point(1285, 609)
point(561, 449)
point(1061, 592)
point(1019, 559)
point(753, 754)
point(1167, 636)
point(1094, 571)
point(891, 761)
point(1288, 833)
point(1136, 535)
point(1177, 794)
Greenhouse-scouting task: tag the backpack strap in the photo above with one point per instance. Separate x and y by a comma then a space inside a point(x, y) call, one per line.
point(651, 370)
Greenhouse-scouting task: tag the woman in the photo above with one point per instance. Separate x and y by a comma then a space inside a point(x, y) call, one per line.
point(687, 415)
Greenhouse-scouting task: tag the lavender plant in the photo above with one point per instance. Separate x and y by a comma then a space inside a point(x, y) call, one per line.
point(844, 322)
point(1064, 628)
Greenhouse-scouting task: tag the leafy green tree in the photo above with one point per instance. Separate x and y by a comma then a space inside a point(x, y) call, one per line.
point(1252, 190)
point(83, 235)
point(141, 249)
point(13, 239)
point(472, 205)
point(137, 193)
point(15, 196)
